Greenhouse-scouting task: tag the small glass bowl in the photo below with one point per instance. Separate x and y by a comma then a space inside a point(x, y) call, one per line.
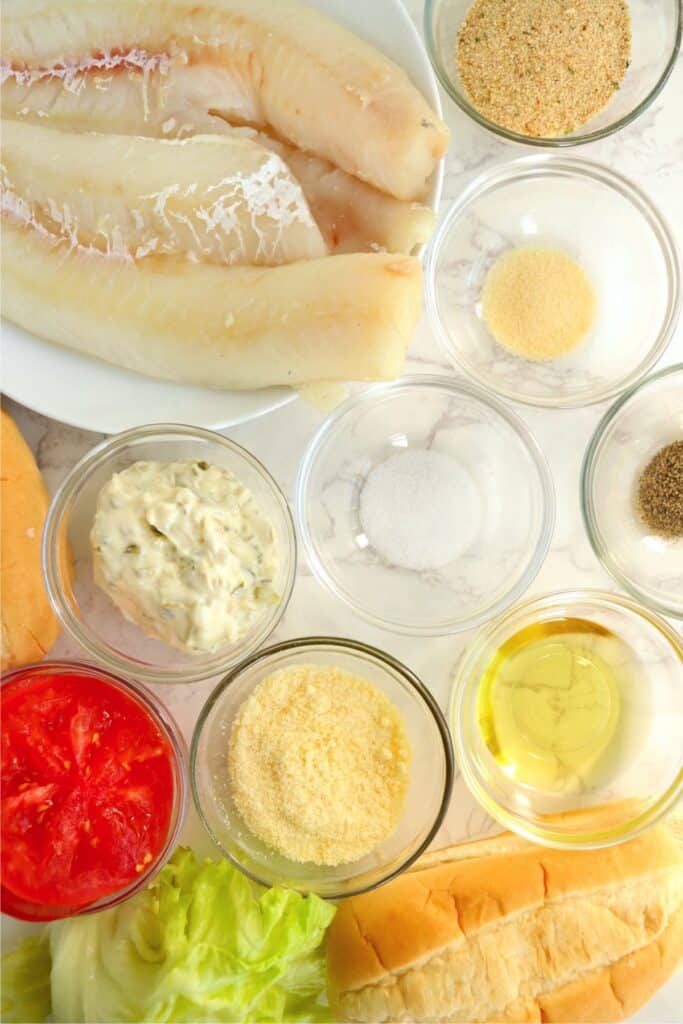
point(631, 433)
point(656, 41)
point(600, 219)
point(88, 614)
point(510, 504)
point(168, 726)
point(431, 772)
point(647, 779)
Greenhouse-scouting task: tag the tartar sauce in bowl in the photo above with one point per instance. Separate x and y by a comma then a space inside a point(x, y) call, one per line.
point(185, 552)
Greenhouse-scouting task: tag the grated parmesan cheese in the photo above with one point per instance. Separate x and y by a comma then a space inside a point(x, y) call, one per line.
point(319, 764)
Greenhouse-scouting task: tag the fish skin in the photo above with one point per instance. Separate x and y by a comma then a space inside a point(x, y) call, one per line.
point(219, 199)
point(276, 65)
point(348, 317)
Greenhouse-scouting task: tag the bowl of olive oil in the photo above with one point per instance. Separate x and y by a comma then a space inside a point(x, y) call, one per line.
point(567, 717)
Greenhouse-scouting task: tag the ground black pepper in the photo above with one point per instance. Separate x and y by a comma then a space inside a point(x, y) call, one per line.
point(660, 491)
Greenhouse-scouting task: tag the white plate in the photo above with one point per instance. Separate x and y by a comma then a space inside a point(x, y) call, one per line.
point(91, 394)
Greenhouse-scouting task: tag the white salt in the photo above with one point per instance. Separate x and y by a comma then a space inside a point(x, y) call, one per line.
point(420, 509)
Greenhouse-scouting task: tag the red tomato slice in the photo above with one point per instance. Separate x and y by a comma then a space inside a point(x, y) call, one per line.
point(87, 789)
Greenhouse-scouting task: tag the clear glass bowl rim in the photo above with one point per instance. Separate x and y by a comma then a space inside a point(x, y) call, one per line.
point(464, 683)
point(171, 730)
point(456, 387)
point(588, 512)
point(566, 166)
point(356, 647)
point(203, 666)
point(556, 142)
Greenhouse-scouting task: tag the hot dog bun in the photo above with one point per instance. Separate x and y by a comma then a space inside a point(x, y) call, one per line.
point(29, 629)
point(504, 930)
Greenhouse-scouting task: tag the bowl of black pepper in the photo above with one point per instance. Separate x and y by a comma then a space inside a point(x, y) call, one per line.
point(632, 491)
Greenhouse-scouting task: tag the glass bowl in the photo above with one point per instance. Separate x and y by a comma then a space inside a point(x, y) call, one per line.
point(431, 773)
point(646, 419)
point(87, 613)
point(600, 219)
point(164, 721)
point(643, 775)
point(656, 41)
point(508, 504)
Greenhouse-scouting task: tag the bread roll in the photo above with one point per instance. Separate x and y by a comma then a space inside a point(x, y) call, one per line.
point(504, 930)
point(29, 629)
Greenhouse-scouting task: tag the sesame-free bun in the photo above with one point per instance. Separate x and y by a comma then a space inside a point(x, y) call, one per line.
point(504, 930)
point(29, 629)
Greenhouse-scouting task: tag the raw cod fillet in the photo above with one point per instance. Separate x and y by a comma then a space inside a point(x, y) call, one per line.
point(352, 215)
point(221, 199)
point(138, 67)
point(346, 317)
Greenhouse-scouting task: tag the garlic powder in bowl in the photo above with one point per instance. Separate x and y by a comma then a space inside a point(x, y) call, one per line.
point(184, 551)
point(614, 278)
point(538, 302)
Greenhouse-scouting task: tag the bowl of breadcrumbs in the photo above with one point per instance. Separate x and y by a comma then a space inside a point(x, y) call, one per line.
point(552, 72)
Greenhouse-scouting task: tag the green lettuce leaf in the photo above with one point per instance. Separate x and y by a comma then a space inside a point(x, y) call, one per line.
point(26, 982)
point(198, 945)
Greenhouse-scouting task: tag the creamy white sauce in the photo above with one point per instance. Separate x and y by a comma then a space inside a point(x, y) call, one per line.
point(185, 552)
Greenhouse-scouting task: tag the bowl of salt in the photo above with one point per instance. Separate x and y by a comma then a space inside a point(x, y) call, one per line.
point(425, 505)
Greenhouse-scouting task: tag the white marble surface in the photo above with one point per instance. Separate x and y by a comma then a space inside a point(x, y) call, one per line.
point(651, 153)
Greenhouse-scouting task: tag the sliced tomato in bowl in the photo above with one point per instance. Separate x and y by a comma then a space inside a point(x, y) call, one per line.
point(88, 790)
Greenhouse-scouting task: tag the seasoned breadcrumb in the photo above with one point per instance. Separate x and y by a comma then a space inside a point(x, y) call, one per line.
point(543, 67)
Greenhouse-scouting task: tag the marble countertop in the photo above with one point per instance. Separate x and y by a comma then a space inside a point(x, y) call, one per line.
point(651, 153)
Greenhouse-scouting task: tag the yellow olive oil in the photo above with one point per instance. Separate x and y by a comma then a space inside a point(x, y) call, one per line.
point(552, 706)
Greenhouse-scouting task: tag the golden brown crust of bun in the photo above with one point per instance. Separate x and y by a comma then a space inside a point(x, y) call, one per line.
point(616, 992)
point(29, 628)
point(504, 930)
